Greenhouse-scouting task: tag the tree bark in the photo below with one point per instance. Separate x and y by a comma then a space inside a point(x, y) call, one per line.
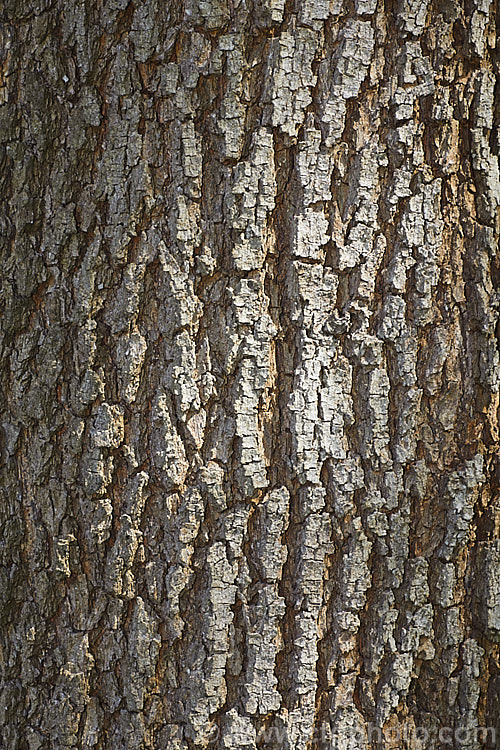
point(250, 374)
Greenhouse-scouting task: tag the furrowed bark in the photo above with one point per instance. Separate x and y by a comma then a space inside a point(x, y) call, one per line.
point(250, 374)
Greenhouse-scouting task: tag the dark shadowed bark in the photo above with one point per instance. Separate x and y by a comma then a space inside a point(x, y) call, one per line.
point(250, 374)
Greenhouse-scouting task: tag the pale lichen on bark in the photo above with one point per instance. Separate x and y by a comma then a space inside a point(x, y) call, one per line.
point(250, 382)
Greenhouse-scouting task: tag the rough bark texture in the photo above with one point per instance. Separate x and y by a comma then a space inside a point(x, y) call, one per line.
point(250, 379)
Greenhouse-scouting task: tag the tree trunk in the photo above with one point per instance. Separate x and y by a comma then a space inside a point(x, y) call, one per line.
point(250, 379)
